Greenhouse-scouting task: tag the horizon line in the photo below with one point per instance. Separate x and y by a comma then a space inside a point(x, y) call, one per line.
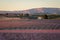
point(27, 9)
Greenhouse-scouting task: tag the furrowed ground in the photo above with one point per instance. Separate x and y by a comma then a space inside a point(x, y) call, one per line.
point(29, 34)
point(10, 29)
point(17, 23)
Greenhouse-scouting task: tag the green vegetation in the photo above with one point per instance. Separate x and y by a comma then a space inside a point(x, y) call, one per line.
point(30, 16)
point(54, 16)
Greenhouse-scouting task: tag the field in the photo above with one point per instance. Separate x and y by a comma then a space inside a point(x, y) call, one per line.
point(17, 24)
point(29, 34)
point(29, 29)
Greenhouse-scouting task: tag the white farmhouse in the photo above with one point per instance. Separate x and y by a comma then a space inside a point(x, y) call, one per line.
point(40, 18)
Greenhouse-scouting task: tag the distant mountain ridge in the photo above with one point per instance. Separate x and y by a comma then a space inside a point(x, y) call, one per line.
point(36, 10)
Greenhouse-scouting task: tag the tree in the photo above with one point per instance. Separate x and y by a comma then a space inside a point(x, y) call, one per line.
point(45, 16)
point(26, 15)
point(21, 15)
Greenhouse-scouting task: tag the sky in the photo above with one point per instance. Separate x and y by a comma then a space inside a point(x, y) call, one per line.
point(27, 4)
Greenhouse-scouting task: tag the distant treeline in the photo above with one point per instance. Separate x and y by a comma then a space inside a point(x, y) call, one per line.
point(31, 16)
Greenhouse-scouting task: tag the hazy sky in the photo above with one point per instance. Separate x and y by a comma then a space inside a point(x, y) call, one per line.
point(27, 4)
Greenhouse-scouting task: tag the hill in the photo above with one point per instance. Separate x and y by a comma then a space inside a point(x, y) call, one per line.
point(36, 10)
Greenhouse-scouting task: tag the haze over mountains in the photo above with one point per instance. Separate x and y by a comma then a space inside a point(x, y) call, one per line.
point(36, 10)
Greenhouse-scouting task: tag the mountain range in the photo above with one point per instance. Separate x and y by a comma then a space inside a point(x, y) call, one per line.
point(36, 10)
